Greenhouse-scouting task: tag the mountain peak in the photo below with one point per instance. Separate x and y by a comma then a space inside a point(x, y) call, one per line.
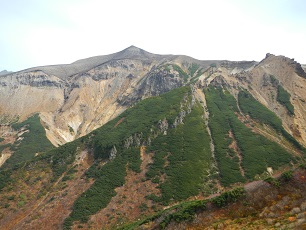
point(132, 47)
point(134, 52)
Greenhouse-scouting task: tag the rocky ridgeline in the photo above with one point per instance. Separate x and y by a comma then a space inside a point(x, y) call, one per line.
point(75, 99)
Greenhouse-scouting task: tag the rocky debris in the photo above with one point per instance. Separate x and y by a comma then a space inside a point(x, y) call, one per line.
point(163, 126)
point(128, 142)
point(179, 119)
point(134, 140)
point(186, 105)
point(270, 221)
point(239, 64)
point(295, 210)
point(301, 215)
point(303, 206)
point(301, 221)
point(219, 81)
point(113, 153)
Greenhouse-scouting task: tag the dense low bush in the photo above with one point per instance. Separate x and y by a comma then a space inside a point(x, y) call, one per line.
point(228, 197)
point(188, 160)
point(32, 142)
point(257, 152)
point(283, 97)
point(257, 111)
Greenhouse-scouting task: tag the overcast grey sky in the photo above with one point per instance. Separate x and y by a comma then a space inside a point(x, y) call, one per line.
point(47, 32)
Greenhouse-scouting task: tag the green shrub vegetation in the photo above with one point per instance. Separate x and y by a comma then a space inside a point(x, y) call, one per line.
point(272, 181)
point(34, 141)
point(283, 179)
point(221, 107)
point(228, 197)
point(287, 176)
point(187, 150)
point(5, 178)
point(181, 72)
point(283, 97)
point(193, 68)
point(61, 158)
point(184, 212)
point(257, 152)
point(257, 111)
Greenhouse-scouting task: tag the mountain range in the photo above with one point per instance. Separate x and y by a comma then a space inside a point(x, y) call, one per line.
point(136, 140)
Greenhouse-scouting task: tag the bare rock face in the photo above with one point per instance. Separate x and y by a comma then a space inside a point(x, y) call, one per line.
point(75, 99)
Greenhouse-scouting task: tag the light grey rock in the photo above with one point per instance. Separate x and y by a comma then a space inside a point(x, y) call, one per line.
point(303, 206)
point(113, 153)
point(301, 215)
point(301, 221)
point(271, 214)
point(270, 221)
point(291, 225)
point(295, 210)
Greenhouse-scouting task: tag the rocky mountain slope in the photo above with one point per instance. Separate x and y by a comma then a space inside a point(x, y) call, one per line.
point(74, 99)
point(146, 132)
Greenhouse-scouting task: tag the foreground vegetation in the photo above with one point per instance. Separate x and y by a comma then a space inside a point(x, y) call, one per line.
point(187, 210)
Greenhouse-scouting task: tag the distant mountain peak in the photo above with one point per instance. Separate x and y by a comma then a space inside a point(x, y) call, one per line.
point(132, 47)
point(134, 53)
point(134, 50)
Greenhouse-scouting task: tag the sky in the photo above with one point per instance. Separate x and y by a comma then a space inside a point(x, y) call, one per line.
point(48, 32)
